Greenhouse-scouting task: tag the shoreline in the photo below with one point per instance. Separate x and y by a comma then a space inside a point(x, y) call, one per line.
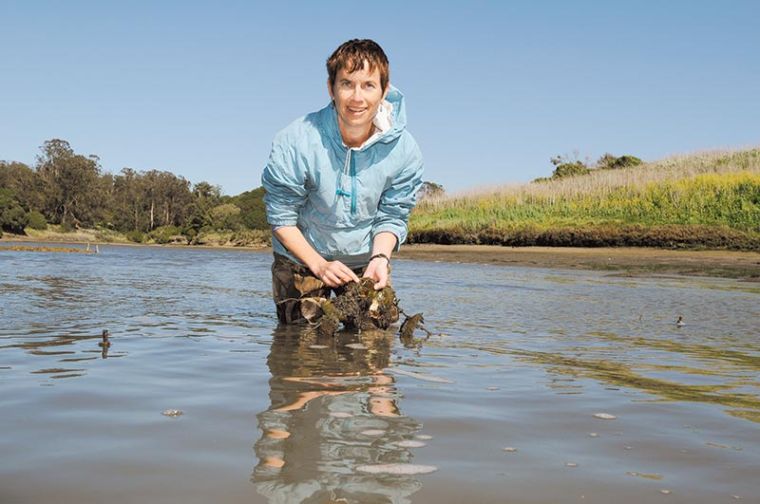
point(640, 261)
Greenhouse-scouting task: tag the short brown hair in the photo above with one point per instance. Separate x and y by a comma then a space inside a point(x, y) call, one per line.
point(351, 56)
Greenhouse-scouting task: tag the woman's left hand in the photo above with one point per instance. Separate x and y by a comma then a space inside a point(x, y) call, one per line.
point(378, 270)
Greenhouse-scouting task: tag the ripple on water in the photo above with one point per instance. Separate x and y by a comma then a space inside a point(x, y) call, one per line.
point(373, 432)
point(397, 469)
point(356, 346)
point(604, 416)
point(340, 414)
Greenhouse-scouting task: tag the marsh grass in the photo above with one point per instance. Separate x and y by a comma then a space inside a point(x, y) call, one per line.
point(709, 199)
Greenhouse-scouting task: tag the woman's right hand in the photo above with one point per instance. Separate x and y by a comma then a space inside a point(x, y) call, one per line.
point(335, 273)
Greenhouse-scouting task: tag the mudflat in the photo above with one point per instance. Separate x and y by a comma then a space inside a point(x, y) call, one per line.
point(630, 260)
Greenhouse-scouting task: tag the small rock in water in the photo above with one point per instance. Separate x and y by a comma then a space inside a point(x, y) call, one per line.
point(665, 492)
point(604, 416)
point(372, 432)
point(571, 464)
point(340, 414)
point(410, 443)
point(396, 469)
point(510, 449)
point(356, 346)
point(173, 413)
point(424, 437)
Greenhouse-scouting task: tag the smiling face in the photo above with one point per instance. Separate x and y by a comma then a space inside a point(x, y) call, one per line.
point(357, 97)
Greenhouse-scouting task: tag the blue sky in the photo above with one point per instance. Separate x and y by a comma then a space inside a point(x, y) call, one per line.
point(494, 89)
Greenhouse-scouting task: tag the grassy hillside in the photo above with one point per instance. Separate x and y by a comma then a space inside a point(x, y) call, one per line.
point(701, 200)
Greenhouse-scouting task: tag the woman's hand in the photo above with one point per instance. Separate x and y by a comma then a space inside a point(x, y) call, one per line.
point(378, 270)
point(335, 273)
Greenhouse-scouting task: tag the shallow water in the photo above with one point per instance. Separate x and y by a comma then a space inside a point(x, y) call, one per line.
point(521, 359)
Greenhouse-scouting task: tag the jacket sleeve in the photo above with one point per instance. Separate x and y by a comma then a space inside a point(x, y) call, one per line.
point(285, 186)
point(399, 198)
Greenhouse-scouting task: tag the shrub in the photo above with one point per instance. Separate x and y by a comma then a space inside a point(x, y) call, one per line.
point(610, 162)
point(135, 236)
point(570, 170)
point(37, 221)
point(14, 219)
point(167, 234)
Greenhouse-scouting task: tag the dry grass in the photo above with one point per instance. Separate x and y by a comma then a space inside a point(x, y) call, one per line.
point(601, 183)
point(711, 198)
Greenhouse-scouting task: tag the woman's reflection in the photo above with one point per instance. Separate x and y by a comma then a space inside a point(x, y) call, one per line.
point(332, 410)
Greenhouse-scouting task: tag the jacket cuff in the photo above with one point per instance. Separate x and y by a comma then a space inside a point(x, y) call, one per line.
point(398, 231)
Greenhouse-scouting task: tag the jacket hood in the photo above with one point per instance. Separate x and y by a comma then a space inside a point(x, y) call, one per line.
point(393, 103)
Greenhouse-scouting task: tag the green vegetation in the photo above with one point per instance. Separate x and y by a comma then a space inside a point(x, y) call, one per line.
point(37, 221)
point(701, 200)
point(72, 193)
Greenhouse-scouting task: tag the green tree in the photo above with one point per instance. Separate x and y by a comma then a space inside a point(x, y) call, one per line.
point(252, 209)
point(430, 190)
point(225, 216)
point(13, 217)
point(206, 195)
point(70, 184)
point(24, 182)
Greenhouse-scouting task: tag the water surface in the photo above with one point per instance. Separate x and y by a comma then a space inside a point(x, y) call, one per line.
point(521, 358)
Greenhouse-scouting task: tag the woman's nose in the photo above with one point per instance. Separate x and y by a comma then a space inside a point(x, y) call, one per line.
point(356, 93)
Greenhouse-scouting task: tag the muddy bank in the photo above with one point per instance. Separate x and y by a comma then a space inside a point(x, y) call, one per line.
point(717, 263)
point(670, 236)
point(253, 239)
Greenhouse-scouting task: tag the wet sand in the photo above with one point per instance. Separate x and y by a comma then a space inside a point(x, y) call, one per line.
point(633, 261)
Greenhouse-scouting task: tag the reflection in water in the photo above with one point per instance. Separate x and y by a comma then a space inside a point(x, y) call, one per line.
point(333, 409)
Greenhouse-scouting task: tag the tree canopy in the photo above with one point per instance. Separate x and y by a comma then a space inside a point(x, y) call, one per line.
point(71, 189)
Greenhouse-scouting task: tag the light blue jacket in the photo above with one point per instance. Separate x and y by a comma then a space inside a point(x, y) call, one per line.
point(340, 198)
